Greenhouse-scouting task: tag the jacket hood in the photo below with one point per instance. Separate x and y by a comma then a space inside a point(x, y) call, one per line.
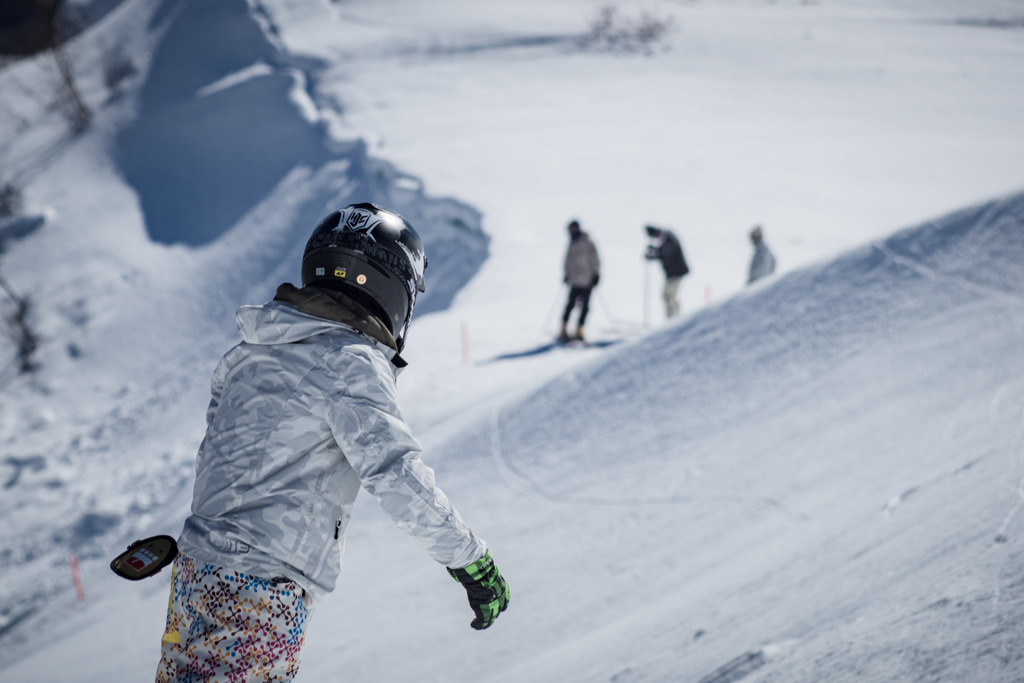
point(279, 323)
point(298, 314)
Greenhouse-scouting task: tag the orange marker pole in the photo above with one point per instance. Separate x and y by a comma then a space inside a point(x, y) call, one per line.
point(76, 576)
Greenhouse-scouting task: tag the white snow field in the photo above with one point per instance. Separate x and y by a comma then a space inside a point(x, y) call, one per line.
point(819, 477)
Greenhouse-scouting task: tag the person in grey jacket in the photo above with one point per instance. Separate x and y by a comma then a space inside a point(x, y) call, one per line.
point(303, 414)
point(762, 263)
point(582, 273)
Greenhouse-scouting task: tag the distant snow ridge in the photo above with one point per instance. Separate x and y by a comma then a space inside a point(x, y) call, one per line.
point(225, 116)
point(213, 134)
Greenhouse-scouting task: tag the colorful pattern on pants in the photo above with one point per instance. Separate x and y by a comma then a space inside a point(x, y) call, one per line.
point(228, 627)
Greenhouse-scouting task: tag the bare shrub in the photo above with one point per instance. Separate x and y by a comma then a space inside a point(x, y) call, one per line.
point(612, 32)
point(10, 200)
point(64, 24)
point(25, 338)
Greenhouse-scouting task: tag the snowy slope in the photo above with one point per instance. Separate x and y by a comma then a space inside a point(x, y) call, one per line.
point(825, 472)
point(817, 477)
point(104, 436)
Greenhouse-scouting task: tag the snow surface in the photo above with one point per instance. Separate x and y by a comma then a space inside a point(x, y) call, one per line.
point(817, 477)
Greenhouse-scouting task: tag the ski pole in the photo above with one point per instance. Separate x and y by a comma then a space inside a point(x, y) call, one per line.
point(647, 293)
point(560, 296)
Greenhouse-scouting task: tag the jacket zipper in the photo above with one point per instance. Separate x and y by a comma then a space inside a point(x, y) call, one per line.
point(327, 548)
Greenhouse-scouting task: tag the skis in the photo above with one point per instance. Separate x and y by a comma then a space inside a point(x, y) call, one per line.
point(571, 342)
point(556, 344)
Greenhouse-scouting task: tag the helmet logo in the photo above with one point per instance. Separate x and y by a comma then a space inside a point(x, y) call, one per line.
point(356, 220)
point(340, 272)
point(359, 222)
point(361, 279)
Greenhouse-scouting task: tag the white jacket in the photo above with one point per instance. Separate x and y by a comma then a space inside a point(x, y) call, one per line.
point(304, 413)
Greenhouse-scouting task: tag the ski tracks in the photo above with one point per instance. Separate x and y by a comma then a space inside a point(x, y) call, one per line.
point(1015, 449)
point(737, 668)
point(522, 482)
point(939, 276)
point(1015, 455)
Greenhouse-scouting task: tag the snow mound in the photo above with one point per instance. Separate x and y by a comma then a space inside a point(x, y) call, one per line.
point(822, 474)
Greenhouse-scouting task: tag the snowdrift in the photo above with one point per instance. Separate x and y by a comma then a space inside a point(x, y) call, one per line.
point(818, 479)
point(226, 116)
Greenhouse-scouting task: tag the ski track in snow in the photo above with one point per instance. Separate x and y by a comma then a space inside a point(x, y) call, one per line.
point(961, 282)
point(521, 481)
point(1015, 457)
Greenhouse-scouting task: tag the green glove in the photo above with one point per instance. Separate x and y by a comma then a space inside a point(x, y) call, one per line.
point(488, 593)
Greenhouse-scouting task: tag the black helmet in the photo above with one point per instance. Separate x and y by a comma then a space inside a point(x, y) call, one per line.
point(373, 254)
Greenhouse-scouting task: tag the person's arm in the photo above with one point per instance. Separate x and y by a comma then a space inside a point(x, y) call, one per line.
point(380, 447)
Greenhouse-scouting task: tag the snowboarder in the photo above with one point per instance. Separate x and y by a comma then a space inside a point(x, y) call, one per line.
point(582, 273)
point(762, 264)
point(304, 413)
point(665, 247)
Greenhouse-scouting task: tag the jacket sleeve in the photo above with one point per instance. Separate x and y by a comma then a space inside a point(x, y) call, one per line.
point(380, 447)
point(595, 261)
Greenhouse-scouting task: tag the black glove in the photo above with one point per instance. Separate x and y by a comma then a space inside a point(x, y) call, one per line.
point(488, 593)
point(596, 278)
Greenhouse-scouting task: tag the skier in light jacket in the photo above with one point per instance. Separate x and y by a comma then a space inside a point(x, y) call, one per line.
point(762, 263)
point(582, 273)
point(303, 414)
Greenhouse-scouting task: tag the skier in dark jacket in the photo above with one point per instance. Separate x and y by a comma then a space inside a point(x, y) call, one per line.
point(665, 247)
point(582, 272)
point(303, 415)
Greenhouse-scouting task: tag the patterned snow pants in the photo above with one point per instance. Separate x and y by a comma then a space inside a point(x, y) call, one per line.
point(228, 627)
